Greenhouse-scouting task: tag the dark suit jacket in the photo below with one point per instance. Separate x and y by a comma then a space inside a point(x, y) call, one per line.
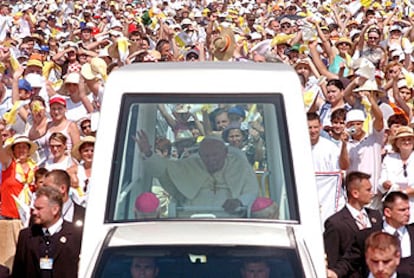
point(78, 215)
point(4, 272)
point(340, 230)
point(354, 258)
point(66, 243)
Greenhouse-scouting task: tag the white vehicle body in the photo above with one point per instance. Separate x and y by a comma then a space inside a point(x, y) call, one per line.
point(131, 96)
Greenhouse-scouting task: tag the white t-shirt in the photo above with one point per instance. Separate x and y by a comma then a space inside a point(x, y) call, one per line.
point(325, 156)
point(365, 156)
point(76, 111)
point(393, 170)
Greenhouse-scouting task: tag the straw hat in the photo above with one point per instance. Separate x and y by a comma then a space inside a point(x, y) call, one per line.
point(71, 78)
point(343, 40)
point(76, 147)
point(21, 139)
point(224, 45)
point(371, 86)
point(96, 68)
point(402, 131)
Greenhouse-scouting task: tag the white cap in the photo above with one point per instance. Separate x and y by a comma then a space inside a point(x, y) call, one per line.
point(35, 80)
point(355, 115)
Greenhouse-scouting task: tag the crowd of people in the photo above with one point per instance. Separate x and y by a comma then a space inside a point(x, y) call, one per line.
point(353, 58)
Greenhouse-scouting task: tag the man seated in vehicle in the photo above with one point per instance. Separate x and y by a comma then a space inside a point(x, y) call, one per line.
point(255, 269)
point(143, 267)
point(217, 176)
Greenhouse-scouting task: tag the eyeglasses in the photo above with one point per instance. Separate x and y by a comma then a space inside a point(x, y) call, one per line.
point(86, 126)
point(285, 26)
point(405, 170)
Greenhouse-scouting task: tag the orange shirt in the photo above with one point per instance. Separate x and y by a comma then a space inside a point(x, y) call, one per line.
point(10, 186)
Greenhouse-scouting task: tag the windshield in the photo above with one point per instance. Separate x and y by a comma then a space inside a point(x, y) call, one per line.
point(203, 156)
point(199, 261)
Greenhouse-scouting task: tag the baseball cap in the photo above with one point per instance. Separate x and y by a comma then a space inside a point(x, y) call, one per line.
point(25, 85)
point(57, 99)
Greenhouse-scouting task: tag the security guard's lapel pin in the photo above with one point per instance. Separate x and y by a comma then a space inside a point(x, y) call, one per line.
point(63, 239)
point(79, 223)
point(373, 220)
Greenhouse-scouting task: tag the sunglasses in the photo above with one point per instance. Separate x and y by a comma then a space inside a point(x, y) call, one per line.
point(405, 170)
point(285, 26)
point(343, 43)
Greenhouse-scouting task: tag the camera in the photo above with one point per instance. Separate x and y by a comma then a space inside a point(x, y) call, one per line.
point(351, 130)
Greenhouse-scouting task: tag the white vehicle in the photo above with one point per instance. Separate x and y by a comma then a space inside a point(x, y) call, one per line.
point(199, 238)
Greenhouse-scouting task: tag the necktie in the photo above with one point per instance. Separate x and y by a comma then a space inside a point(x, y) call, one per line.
point(397, 234)
point(362, 224)
point(47, 233)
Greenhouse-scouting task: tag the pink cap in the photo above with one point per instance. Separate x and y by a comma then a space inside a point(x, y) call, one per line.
point(261, 203)
point(147, 202)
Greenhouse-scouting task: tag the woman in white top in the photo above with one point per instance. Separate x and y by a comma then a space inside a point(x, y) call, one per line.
point(60, 123)
point(58, 158)
point(81, 173)
point(397, 173)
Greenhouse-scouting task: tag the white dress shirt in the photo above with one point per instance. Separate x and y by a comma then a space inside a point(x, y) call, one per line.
point(404, 238)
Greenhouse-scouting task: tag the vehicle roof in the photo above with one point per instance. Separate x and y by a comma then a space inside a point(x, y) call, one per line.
point(204, 77)
point(202, 233)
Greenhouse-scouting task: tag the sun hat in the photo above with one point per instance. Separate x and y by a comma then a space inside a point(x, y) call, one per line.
point(402, 131)
point(369, 85)
point(224, 45)
point(57, 99)
point(355, 115)
point(21, 139)
point(71, 78)
point(76, 148)
point(96, 68)
point(34, 62)
point(343, 40)
point(147, 202)
point(302, 62)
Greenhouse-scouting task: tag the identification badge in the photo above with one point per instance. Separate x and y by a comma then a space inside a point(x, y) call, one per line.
point(46, 263)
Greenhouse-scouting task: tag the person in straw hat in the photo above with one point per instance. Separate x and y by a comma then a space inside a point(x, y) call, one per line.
point(95, 74)
point(223, 45)
point(397, 172)
point(18, 171)
point(81, 173)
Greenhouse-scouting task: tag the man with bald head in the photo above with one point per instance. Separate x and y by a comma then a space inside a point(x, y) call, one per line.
point(217, 176)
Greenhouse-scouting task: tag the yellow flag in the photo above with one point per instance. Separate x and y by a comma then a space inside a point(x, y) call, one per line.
point(10, 117)
point(366, 3)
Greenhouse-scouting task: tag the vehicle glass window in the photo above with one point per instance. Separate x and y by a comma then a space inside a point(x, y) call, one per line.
point(200, 262)
point(202, 157)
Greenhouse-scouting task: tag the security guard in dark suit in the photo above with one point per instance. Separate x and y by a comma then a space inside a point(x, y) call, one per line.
point(50, 247)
